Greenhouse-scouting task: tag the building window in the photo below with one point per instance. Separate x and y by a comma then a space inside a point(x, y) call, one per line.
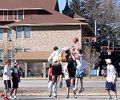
point(9, 54)
point(1, 34)
point(19, 49)
point(20, 15)
point(27, 31)
point(19, 31)
point(9, 34)
point(1, 55)
point(27, 50)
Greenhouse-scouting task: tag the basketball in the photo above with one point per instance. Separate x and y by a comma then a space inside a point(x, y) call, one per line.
point(75, 40)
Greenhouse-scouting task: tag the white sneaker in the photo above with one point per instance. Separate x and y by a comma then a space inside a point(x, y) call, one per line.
point(11, 98)
point(15, 97)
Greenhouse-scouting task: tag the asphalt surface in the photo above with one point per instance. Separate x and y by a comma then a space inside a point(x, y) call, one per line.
point(64, 98)
point(37, 90)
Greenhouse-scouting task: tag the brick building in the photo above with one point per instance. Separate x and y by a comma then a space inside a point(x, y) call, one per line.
point(29, 29)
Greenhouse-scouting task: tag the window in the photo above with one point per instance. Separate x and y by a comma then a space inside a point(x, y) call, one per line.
point(20, 15)
point(27, 31)
point(26, 49)
point(9, 54)
point(1, 34)
point(19, 49)
point(9, 35)
point(19, 31)
point(1, 54)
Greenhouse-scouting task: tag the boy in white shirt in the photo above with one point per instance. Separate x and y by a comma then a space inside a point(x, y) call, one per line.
point(111, 79)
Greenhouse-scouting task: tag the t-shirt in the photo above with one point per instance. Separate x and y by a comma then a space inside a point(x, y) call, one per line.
point(15, 72)
point(7, 73)
point(57, 55)
point(111, 73)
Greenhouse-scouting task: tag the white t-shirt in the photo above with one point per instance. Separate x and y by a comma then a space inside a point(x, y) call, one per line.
point(111, 73)
point(7, 73)
point(57, 55)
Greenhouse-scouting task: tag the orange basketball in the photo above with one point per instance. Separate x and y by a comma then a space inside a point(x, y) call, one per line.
point(75, 40)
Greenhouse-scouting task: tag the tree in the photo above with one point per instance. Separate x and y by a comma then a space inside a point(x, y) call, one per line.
point(104, 11)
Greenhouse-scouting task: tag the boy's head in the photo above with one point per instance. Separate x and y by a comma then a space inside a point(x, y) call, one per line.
point(55, 48)
point(108, 61)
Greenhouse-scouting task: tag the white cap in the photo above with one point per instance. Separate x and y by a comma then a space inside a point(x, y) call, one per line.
point(108, 61)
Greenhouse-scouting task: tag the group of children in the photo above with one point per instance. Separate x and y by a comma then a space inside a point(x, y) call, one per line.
point(11, 74)
point(73, 70)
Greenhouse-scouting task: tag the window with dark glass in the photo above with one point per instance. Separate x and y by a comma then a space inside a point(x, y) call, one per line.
point(9, 54)
point(19, 49)
point(20, 14)
point(9, 35)
point(1, 54)
point(26, 49)
point(1, 34)
point(19, 31)
point(27, 31)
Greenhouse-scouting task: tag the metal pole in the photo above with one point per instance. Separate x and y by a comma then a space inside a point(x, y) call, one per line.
point(95, 28)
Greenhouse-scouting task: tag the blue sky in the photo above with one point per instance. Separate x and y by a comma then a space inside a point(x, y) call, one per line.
point(62, 4)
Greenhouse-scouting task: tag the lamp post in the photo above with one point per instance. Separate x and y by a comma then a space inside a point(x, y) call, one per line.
point(11, 51)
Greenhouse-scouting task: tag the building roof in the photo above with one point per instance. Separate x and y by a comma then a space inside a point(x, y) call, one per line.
point(51, 19)
point(3, 26)
point(77, 17)
point(35, 55)
point(24, 4)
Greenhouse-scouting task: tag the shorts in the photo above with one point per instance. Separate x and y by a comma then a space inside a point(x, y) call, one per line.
point(15, 83)
point(110, 86)
point(7, 84)
point(57, 69)
point(79, 73)
point(68, 83)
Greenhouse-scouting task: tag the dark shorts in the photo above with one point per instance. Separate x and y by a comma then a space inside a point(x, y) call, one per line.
point(110, 86)
point(68, 83)
point(7, 84)
point(57, 70)
point(15, 83)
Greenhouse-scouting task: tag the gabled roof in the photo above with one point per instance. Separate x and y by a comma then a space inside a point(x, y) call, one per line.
point(20, 4)
point(52, 19)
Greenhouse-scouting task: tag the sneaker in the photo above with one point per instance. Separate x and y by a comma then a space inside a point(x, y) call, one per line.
point(75, 89)
point(109, 98)
point(50, 95)
point(67, 96)
point(60, 85)
point(55, 95)
point(11, 98)
point(81, 90)
point(75, 96)
point(15, 97)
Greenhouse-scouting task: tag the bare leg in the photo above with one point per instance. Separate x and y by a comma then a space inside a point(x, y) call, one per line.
point(15, 90)
point(68, 91)
point(81, 83)
point(116, 94)
point(109, 94)
point(11, 92)
point(61, 79)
